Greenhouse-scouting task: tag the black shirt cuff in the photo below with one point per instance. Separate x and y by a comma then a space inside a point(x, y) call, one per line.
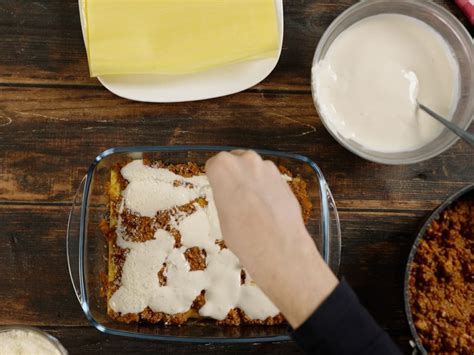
point(341, 325)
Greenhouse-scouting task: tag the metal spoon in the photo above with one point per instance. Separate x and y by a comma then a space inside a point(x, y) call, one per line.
point(468, 137)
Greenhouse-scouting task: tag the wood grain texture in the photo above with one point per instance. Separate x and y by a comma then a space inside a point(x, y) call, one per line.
point(54, 120)
point(82, 340)
point(36, 290)
point(42, 42)
point(51, 136)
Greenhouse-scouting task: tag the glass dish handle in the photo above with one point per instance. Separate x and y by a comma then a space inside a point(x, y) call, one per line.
point(72, 238)
point(335, 234)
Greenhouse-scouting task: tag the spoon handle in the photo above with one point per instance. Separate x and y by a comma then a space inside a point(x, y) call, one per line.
point(468, 137)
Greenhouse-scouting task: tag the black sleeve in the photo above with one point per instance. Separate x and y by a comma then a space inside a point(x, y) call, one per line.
point(341, 325)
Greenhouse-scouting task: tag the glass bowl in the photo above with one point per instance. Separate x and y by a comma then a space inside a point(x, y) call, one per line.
point(49, 338)
point(456, 36)
point(87, 247)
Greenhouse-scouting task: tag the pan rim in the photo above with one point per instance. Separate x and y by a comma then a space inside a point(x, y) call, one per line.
point(434, 215)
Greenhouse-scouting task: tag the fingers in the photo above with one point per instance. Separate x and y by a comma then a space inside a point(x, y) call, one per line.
point(271, 167)
point(238, 152)
point(228, 159)
point(235, 167)
point(249, 155)
point(218, 162)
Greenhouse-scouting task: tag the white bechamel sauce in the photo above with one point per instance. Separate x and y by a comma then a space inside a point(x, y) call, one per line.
point(150, 190)
point(24, 342)
point(252, 300)
point(195, 230)
point(372, 75)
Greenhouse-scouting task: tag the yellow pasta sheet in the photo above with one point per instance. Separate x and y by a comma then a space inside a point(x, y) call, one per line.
point(177, 36)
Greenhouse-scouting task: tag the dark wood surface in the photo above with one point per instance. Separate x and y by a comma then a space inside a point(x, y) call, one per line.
point(54, 120)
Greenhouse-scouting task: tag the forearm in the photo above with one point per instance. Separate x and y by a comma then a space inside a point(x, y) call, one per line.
point(266, 230)
point(304, 284)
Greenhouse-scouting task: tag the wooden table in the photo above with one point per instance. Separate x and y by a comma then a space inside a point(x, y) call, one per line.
point(54, 120)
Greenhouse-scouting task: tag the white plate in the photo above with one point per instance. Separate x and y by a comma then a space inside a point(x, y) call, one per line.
point(209, 84)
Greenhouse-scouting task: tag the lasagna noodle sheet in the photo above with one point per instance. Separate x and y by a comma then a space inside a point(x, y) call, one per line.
point(177, 36)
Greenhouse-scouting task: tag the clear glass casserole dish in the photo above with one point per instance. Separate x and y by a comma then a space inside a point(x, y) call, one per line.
point(87, 247)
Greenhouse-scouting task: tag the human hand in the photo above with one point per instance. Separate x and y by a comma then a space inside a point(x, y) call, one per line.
point(262, 224)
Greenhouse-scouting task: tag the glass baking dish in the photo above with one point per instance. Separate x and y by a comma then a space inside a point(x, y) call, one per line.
point(87, 247)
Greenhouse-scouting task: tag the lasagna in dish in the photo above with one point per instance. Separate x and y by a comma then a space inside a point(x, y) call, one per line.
point(167, 261)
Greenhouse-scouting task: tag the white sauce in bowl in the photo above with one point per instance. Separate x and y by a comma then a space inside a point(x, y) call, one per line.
point(24, 342)
point(372, 75)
